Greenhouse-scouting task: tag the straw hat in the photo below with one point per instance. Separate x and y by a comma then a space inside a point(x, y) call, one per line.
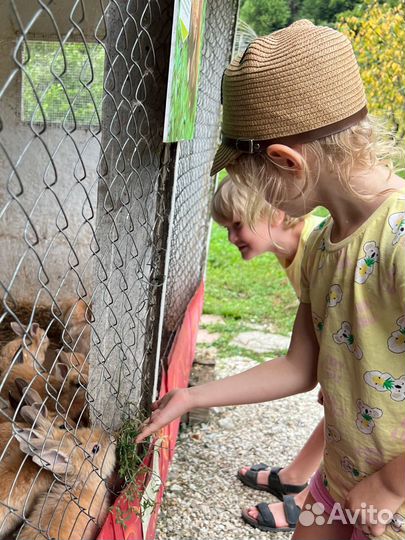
point(296, 85)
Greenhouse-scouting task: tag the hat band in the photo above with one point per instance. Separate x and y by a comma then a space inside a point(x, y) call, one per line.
point(255, 146)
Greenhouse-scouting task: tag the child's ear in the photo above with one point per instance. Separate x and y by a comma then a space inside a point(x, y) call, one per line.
point(278, 217)
point(285, 157)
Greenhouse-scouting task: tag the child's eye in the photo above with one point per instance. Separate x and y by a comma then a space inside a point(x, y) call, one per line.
point(237, 225)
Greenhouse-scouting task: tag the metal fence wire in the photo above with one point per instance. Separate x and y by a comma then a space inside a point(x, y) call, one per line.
point(103, 241)
point(194, 187)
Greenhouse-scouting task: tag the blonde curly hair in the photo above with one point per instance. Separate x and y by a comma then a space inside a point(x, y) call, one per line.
point(231, 201)
point(361, 146)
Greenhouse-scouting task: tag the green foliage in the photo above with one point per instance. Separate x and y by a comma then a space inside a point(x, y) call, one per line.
point(265, 16)
point(324, 11)
point(130, 458)
point(377, 32)
point(130, 455)
point(182, 114)
point(67, 85)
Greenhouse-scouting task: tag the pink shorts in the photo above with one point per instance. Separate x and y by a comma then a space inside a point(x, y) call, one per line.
point(321, 495)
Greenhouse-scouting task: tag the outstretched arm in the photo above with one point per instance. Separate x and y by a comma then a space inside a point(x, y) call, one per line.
point(275, 379)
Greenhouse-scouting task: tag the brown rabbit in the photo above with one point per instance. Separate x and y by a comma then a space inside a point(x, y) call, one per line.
point(23, 351)
point(19, 396)
point(71, 359)
point(76, 317)
point(76, 506)
point(64, 389)
point(38, 380)
point(21, 479)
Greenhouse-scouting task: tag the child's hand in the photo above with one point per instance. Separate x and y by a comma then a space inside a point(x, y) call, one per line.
point(373, 499)
point(164, 410)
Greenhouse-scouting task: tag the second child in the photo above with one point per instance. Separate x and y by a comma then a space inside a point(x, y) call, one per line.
point(273, 231)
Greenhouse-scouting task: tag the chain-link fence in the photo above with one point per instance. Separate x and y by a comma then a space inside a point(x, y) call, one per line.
point(194, 186)
point(95, 212)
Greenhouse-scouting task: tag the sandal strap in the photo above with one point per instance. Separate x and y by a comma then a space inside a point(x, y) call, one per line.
point(251, 474)
point(275, 483)
point(274, 479)
point(265, 516)
point(259, 467)
point(291, 510)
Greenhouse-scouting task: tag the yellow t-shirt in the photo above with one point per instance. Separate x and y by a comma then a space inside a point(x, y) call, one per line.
point(293, 270)
point(356, 289)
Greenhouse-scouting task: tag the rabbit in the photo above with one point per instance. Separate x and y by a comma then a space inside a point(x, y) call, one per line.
point(36, 379)
point(76, 333)
point(20, 396)
point(21, 479)
point(77, 505)
point(71, 359)
point(23, 351)
point(71, 398)
point(42, 382)
point(64, 387)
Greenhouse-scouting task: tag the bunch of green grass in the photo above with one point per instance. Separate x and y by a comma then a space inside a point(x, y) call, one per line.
point(130, 459)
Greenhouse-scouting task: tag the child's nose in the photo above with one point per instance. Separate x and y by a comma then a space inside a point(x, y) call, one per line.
point(232, 236)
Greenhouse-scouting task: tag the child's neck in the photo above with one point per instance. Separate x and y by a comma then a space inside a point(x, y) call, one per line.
point(291, 241)
point(348, 210)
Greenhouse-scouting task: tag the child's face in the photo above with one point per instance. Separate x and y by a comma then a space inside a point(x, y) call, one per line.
point(252, 243)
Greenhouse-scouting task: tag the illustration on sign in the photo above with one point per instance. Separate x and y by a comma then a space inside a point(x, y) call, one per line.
point(184, 70)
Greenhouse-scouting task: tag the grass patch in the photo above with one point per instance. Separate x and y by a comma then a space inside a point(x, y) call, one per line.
point(132, 470)
point(129, 454)
point(255, 291)
point(227, 332)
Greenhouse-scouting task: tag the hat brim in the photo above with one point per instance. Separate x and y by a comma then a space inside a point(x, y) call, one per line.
point(223, 157)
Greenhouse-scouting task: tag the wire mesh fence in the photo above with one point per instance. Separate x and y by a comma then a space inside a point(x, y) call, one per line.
point(86, 196)
point(194, 186)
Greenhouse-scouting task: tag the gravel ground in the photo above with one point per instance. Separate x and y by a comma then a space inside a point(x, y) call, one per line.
point(203, 498)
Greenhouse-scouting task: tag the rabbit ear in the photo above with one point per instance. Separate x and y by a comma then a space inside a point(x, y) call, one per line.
point(18, 329)
point(63, 357)
point(28, 439)
point(21, 384)
point(34, 330)
point(53, 459)
point(31, 397)
point(28, 396)
point(14, 400)
point(34, 417)
point(60, 371)
point(45, 453)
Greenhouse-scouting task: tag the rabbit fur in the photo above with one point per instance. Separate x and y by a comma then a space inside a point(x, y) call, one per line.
point(22, 481)
point(76, 506)
point(31, 343)
point(65, 387)
point(76, 334)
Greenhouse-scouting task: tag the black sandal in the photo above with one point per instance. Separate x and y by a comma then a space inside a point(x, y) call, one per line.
point(274, 485)
point(265, 520)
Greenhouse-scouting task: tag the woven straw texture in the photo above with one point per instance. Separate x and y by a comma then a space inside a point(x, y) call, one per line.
point(295, 80)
